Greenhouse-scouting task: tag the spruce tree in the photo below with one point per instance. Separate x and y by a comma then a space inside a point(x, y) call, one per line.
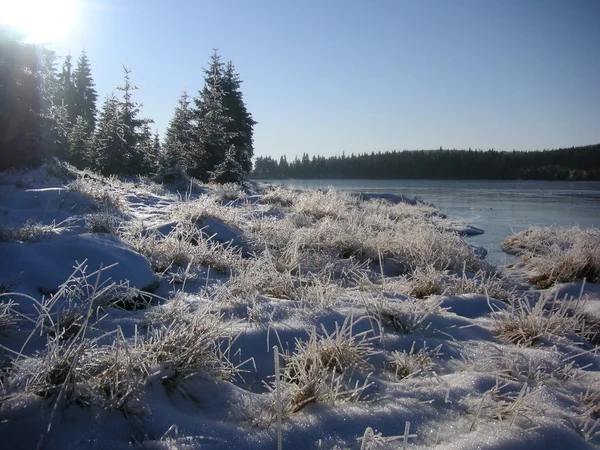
point(180, 145)
point(147, 150)
point(241, 125)
point(55, 122)
point(230, 170)
point(67, 89)
point(20, 102)
point(79, 144)
point(213, 138)
point(131, 125)
point(85, 95)
point(109, 154)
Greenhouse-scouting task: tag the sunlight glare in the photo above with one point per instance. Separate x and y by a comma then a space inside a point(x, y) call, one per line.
point(40, 21)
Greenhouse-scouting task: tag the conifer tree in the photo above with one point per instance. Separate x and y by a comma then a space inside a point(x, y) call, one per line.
point(109, 154)
point(241, 125)
point(20, 103)
point(131, 125)
point(180, 138)
point(55, 123)
point(230, 170)
point(85, 95)
point(67, 89)
point(147, 150)
point(212, 121)
point(79, 144)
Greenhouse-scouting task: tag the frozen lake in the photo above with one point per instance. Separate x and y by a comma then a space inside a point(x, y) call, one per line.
point(499, 207)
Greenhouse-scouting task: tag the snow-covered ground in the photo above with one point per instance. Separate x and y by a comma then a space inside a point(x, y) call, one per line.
point(135, 314)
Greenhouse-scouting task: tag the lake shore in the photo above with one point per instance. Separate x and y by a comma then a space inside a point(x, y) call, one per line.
point(388, 325)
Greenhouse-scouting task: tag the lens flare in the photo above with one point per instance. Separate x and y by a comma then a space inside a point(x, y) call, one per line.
point(40, 21)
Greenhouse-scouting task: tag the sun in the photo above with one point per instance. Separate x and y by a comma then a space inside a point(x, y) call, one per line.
point(40, 21)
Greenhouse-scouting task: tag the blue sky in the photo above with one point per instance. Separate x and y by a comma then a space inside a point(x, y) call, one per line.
point(324, 77)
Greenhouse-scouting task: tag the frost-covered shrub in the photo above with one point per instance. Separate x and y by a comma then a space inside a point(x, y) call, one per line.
point(558, 254)
point(318, 204)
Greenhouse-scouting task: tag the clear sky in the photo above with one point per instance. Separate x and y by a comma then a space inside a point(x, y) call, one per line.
point(328, 76)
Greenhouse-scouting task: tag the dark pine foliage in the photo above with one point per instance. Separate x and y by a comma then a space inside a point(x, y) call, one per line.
point(20, 103)
point(241, 124)
point(230, 170)
point(576, 163)
point(213, 137)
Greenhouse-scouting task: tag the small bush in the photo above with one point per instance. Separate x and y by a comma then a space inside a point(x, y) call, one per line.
point(61, 169)
point(279, 196)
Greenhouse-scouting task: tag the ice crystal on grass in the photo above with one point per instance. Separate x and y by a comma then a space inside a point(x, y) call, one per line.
point(526, 324)
point(408, 364)
point(405, 316)
point(558, 254)
point(99, 190)
point(31, 231)
point(320, 369)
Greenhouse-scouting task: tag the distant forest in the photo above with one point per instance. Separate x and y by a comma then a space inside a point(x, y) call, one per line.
point(576, 163)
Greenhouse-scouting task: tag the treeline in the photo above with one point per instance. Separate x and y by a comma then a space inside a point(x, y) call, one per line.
point(576, 163)
point(50, 112)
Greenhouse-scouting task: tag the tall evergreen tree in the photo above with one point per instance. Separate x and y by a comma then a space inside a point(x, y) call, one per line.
point(131, 126)
point(212, 122)
point(55, 123)
point(109, 154)
point(180, 138)
point(241, 125)
point(67, 88)
point(20, 102)
point(79, 144)
point(85, 95)
point(147, 150)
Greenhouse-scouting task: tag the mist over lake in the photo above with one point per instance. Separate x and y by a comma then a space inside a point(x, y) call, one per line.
point(498, 207)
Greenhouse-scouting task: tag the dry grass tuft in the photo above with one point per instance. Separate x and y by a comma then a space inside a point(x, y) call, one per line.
point(184, 245)
point(558, 254)
point(100, 191)
point(31, 232)
point(405, 316)
point(405, 365)
point(525, 324)
point(321, 368)
point(425, 282)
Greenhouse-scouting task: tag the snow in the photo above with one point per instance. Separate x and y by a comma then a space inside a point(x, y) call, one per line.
point(453, 405)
